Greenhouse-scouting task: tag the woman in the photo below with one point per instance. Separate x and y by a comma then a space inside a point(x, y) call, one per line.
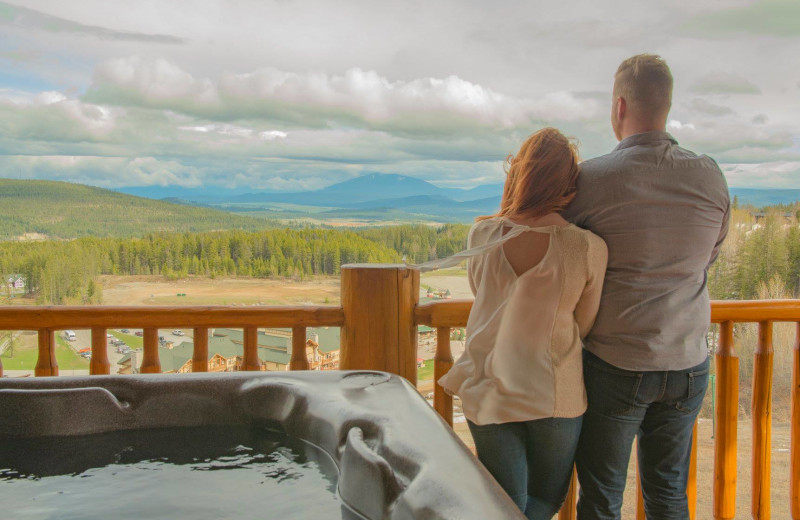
point(537, 281)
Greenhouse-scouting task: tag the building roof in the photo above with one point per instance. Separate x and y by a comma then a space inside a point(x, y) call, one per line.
point(274, 346)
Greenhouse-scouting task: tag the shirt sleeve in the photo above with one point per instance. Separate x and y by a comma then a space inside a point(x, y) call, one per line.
point(589, 302)
point(473, 272)
point(723, 232)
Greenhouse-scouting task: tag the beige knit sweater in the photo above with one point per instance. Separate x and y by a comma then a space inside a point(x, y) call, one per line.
point(523, 354)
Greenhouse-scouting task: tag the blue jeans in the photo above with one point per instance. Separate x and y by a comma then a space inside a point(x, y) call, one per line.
point(532, 460)
point(658, 407)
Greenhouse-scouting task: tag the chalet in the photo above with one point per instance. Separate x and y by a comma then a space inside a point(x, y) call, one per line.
point(14, 281)
point(761, 215)
point(225, 347)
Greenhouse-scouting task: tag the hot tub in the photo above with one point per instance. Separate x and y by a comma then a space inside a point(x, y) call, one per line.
point(368, 437)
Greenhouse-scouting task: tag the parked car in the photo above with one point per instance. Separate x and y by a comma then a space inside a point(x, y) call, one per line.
point(109, 336)
point(125, 331)
point(139, 333)
point(177, 333)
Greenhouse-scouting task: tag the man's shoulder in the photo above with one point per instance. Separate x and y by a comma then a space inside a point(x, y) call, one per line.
point(698, 160)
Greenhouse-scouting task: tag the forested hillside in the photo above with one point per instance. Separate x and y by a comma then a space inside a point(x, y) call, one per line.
point(64, 210)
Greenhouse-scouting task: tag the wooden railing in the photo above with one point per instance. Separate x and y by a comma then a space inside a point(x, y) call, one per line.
point(379, 316)
point(46, 320)
point(454, 313)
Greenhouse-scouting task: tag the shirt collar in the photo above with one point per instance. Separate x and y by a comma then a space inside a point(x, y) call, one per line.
point(645, 138)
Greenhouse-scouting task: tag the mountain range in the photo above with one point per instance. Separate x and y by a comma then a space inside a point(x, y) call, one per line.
point(385, 197)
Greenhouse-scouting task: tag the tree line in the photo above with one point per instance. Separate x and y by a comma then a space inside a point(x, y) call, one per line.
point(65, 272)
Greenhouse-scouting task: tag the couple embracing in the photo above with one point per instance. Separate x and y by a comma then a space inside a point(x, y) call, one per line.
point(591, 311)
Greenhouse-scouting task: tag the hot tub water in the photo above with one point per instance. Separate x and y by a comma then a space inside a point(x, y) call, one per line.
point(198, 473)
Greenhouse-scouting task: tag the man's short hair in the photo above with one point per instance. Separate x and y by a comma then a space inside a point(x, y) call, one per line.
point(645, 82)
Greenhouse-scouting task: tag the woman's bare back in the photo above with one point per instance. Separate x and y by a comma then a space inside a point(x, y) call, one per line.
point(527, 250)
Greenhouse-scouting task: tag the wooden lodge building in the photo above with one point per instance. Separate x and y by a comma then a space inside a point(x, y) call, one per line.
point(225, 347)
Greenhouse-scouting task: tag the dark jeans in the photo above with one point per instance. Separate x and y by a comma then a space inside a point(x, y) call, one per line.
point(532, 461)
point(658, 407)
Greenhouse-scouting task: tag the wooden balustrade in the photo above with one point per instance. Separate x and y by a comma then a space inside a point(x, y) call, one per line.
point(99, 363)
point(46, 364)
point(727, 411)
point(299, 361)
point(442, 363)
point(794, 467)
point(99, 319)
point(200, 351)
point(761, 413)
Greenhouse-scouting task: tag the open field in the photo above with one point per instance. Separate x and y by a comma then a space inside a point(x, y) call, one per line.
point(154, 290)
point(453, 279)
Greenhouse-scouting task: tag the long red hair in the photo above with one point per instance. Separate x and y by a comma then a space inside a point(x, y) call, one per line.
point(541, 178)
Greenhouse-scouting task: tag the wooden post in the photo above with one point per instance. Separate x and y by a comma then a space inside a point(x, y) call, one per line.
point(46, 364)
point(299, 360)
point(569, 510)
point(691, 484)
point(442, 363)
point(727, 415)
point(150, 362)
point(99, 363)
point(640, 515)
point(200, 350)
point(250, 358)
point(794, 494)
point(380, 331)
point(761, 408)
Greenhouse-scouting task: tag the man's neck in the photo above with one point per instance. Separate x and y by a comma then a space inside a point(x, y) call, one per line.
point(640, 130)
point(633, 127)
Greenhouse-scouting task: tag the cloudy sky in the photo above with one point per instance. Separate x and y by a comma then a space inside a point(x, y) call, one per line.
point(296, 94)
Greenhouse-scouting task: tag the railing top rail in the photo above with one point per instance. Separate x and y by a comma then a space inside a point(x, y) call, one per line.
point(454, 313)
point(86, 317)
point(446, 313)
point(755, 310)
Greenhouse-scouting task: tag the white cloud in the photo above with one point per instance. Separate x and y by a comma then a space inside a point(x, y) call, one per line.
point(364, 98)
point(724, 83)
point(108, 172)
point(314, 91)
point(779, 174)
point(54, 116)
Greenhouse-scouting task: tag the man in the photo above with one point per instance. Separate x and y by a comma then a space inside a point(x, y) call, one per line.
point(663, 212)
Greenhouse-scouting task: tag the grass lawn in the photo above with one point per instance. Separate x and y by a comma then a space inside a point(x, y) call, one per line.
point(132, 341)
point(452, 271)
point(425, 372)
point(67, 359)
point(25, 358)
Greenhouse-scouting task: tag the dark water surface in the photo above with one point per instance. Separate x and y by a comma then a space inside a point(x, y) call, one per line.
point(180, 473)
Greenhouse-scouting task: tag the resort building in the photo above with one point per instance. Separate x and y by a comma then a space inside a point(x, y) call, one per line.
point(225, 347)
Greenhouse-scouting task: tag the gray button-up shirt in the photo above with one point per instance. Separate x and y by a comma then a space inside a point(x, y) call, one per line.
point(663, 212)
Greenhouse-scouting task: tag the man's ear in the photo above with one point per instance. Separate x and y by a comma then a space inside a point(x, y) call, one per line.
point(622, 108)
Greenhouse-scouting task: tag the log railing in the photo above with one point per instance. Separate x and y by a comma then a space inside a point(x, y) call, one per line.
point(379, 316)
point(46, 320)
point(454, 313)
